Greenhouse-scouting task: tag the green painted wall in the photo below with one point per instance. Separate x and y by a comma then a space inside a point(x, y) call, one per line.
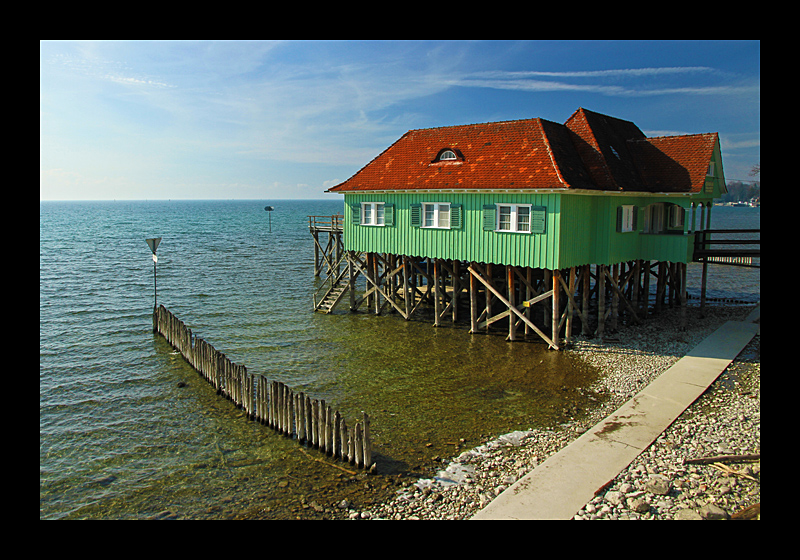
point(579, 229)
point(470, 242)
point(714, 187)
point(589, 231)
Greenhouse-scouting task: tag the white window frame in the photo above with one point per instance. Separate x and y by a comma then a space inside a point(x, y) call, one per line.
point(514, 225)
point(627, 218)
point(654, 220)
point(448, 155)
point(437, 214)
point(677, 215)
point(373, 214)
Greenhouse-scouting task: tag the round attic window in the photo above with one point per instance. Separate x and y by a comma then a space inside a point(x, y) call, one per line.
point(447, 155)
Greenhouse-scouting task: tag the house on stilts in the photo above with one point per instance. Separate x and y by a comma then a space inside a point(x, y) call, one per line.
point(538, 226)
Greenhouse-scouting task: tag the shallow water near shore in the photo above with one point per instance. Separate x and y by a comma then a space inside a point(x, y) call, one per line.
point(120, 439)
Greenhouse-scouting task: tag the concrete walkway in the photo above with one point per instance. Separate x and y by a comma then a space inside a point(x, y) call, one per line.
point(567, 480)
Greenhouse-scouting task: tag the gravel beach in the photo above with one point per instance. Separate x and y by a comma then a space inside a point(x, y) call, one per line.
point(662, 482)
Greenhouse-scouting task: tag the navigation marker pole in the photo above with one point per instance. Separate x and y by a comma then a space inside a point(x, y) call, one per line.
point(153, 244)
point(269, 209)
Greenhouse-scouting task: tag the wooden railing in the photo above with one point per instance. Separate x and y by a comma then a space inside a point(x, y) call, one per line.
point(326, 223)
point(736, 250)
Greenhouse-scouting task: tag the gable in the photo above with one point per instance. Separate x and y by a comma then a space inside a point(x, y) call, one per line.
point(675, 163)
point(602, 143)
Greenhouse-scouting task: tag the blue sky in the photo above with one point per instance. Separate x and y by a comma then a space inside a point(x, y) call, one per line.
point(289, 119)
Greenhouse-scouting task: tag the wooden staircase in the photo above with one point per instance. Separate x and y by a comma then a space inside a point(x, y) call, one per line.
point(338, 286)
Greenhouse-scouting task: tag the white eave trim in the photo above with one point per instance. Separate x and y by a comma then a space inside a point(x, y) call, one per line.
point(585, 192)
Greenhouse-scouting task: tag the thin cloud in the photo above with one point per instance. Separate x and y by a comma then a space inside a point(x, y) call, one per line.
point(103, 70)
point(527, 81)
point(137, 81)
point(598, 73)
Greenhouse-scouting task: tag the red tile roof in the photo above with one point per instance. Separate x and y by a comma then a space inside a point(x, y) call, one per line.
point(590, 151)
point(674, 163)
point(601, 142)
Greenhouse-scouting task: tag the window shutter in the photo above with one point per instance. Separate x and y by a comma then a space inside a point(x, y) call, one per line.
point(489, 217)
point(416, 215)
point(355, 214)
point(455, 216)
point(538, 219)
point(388, 214)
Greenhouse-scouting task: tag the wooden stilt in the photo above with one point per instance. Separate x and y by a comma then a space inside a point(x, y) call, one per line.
point(548, 312)
point(703, 287)
point(407, 295)
point(437, 291)
point(637, 270)
point(570, 305)
point(661, 285)
point(454, 301)
point(683, 295)
point(376, 276)
point(473, 301)
point(489, 293)
point(480, 275)
point(556, 291)
point(601, 300)
point(316, 253)
point(585, 293)
point(529, 293)
point(351, 280)
point(512, 320)
point(646, 289)
point(614, 297)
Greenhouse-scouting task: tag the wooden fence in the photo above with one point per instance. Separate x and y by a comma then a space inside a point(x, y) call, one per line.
point(272, 403)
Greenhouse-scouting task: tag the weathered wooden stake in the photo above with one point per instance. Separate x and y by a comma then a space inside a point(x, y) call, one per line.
point(270, 403)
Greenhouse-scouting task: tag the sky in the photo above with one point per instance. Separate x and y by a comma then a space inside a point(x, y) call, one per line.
point(267, 120)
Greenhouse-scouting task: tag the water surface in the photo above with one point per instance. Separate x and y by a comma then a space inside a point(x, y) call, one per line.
point(119, 438)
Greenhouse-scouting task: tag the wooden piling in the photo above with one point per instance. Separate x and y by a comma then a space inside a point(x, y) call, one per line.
point(271, 403)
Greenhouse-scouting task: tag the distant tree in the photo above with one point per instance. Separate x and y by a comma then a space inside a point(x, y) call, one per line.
point(756, 172)
point(740, 191)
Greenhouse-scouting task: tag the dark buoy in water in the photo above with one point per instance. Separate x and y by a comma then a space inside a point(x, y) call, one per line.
point(269, 209)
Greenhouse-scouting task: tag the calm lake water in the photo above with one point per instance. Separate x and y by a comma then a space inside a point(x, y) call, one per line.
point(119, 438)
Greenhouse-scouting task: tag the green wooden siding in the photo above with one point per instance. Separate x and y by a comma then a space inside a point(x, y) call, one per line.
point(578, 229)
point(469, 242)
point(589, 231)
point(714, 187)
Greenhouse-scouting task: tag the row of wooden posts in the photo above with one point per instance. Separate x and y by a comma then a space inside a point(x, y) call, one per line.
point(291, 413)
point(400, 283)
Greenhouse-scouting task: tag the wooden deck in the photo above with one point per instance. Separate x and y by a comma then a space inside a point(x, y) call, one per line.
point(728, 246)
point(739, 247)
point(327, 257)
point(333, 223)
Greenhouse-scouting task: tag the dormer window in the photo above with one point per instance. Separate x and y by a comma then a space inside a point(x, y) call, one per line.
point(448, 155)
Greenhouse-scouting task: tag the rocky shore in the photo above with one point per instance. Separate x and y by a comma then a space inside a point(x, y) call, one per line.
point(664, 482)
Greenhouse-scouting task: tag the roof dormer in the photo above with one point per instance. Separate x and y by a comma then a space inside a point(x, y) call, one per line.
point(448, 155)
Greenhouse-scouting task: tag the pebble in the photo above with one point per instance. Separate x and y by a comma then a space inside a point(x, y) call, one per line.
point(658, 484)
